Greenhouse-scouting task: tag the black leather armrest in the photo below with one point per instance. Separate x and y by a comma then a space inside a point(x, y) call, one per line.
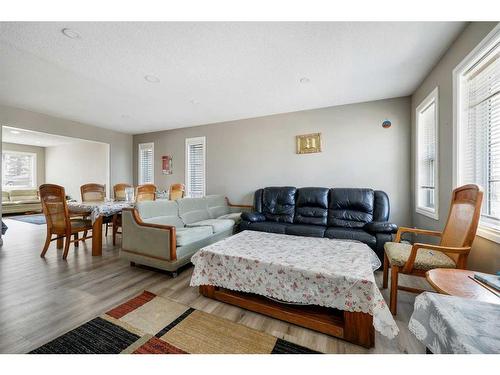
point(380, 227)
point(253, 217)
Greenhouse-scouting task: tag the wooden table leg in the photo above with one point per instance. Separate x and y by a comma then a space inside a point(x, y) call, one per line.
point(97, 237)
point(358, 328)
point(59, 242)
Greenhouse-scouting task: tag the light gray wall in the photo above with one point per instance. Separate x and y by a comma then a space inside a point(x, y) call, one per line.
point(245, 155)
point(485, 255)
point(65, 165)
point(120, 143)
point(40, 157)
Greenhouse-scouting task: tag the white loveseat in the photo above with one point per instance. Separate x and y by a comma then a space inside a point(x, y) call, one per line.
point(165, 234)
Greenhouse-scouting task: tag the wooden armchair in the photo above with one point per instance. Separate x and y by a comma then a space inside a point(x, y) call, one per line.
point(176, 191)
point(59, 223)
point(452, 251)
point(146, 192)
point(119, 195)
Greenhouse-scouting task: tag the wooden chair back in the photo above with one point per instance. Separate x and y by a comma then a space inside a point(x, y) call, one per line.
point(119, 191)
point(146, 192)
point(463, 218)
point(55, 209)
point(93, 192)
point(176, 191)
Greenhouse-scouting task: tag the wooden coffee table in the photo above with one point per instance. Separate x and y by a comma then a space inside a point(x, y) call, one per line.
point(461, 283)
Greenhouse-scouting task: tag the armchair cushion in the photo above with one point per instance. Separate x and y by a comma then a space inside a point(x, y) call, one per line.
point(398, 254)
point(253, 217)
point(380, 227)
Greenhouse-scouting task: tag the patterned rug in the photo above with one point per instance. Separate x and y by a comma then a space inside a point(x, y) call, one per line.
point(149, 324)
point(31, 219)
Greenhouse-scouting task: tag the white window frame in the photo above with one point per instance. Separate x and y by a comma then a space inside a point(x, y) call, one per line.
point(190, 141)
point(34, 176)
point(140, 174)
point(489, 42)
point(433, 97)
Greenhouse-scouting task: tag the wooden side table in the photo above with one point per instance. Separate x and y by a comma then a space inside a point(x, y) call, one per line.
point(461, 283)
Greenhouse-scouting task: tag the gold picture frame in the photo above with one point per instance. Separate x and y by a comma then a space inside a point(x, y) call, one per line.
point(308, 143)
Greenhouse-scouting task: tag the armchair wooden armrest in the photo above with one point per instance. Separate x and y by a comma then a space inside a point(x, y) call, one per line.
point(170, 228)
point(408, 267)
point(426, 232)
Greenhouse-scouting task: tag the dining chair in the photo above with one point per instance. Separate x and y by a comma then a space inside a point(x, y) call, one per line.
point(451, 252)
point(176, 191)
point(146, 192)
point(95, 193)
point(119, 195)
point(59, 222)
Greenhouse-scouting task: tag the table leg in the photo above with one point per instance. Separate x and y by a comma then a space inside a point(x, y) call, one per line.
point(97, 237)
point(59, 242)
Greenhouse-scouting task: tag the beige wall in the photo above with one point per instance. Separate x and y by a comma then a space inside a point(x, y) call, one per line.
point(485, 255)
point(40, 157)
point(75, 164)
point(245, 155)
point(120, 143)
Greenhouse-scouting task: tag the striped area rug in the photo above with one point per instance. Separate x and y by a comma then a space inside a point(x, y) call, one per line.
point(150, 324)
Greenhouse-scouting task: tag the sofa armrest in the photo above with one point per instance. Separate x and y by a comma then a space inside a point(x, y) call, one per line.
point(153, 240)
point(236, 208)
point(380, 227)
point(253, 217)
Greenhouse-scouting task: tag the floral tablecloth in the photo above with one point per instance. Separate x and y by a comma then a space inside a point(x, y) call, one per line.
point(97, 209)
point(317, 271)
point(448, 324)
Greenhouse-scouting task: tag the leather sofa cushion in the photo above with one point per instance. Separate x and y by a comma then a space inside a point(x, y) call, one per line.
point(351, 234)
point(307, 230)
point(311, 206)
point(380, 227)
point(185, 236)
point(217, 225)
point(350, 208)
point(381, 206)
point(265, 226)
point(253, 216)
point(278, 204)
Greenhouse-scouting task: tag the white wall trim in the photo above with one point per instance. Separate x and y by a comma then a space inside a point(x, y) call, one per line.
point(432, 97)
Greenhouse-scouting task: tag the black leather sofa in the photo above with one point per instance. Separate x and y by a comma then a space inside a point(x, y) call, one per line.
point(342, 213)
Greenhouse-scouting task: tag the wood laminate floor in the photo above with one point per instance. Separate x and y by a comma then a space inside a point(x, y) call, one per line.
point(41, 299)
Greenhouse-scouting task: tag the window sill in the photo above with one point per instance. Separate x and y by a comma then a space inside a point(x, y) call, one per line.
point(489, 233)
point(432, 214)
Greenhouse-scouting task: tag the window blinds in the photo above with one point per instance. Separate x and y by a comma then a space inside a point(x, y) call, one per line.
point(195, 152)
point(480, 131)
point(426, 153)
point(18, 170)
point(146, 158)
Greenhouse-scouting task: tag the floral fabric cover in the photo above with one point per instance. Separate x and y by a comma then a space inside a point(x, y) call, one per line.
point(455, 325)
point(98, 208)
point(308, 270)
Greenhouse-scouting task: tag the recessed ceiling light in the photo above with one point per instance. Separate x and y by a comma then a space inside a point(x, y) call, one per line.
point(305, 80)
point(72, 34)
point(152, 79)
point(14, 132)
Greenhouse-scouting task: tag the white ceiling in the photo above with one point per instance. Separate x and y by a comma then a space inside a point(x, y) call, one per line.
point(32, 138)
point(210, 72)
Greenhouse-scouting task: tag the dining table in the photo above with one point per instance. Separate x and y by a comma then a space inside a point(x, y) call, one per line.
point(97, 211)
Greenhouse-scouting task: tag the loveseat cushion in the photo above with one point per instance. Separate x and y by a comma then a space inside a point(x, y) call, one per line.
point(217, 225)
point(307, 230)
point(350, 208)
point(351, 234)
point(311, 206)
point(192, 210)
point(185, 236)
point(278, 204)
point(265, 226)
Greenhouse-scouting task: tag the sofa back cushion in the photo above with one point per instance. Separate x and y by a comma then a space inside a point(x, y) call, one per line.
point(217, 206)
point(350, 208)
point(311, 206)
point(23, 195)
point(278, 203)
point(5, 196)
point(192, 210)
point(160, 212)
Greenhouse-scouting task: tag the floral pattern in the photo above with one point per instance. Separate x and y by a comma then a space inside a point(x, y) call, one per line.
point(99, 208)
point(448, 324)
point(304, 270)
